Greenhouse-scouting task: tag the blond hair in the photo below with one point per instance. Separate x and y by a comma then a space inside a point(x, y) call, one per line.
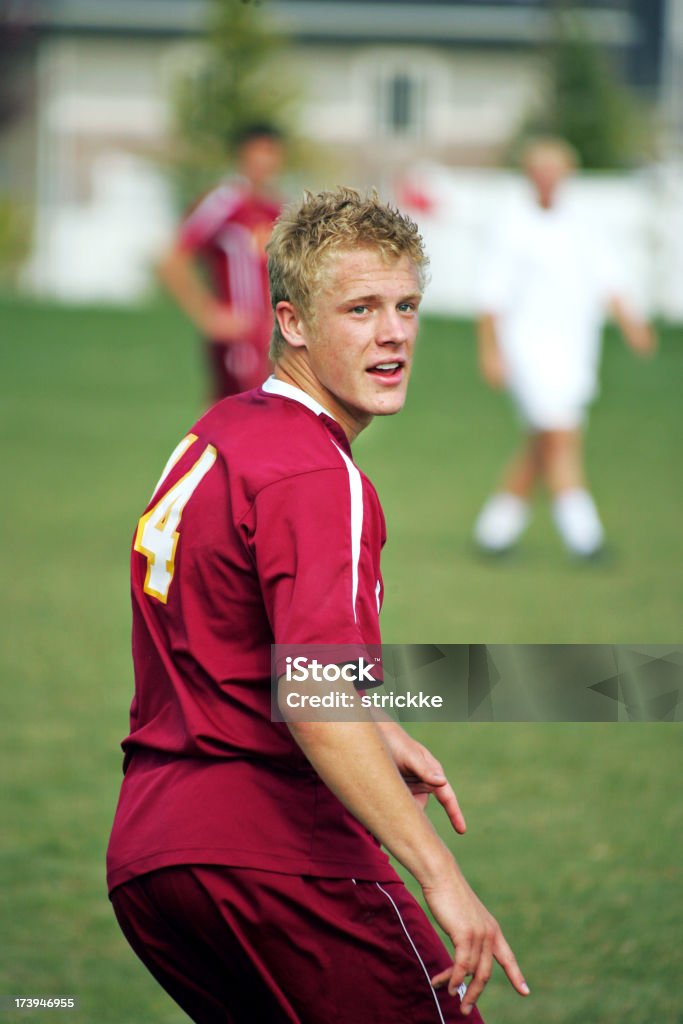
point(307, 234)
point(549, 145)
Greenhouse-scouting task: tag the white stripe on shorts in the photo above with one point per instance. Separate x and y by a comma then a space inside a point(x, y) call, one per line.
point(426, 972)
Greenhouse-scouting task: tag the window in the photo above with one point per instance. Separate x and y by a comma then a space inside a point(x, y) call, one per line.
point(399, 91)
point(401, 103)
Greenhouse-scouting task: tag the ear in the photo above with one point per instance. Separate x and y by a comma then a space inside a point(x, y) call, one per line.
point(291, 324)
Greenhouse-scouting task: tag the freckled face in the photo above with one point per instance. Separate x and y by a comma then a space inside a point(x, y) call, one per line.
point(361, 335)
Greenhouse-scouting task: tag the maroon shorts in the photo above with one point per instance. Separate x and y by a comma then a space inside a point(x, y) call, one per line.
point(234, 368)
point(244, 946)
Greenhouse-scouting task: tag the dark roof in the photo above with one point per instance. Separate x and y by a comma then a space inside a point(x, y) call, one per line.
point(630, 26)
point(445, 20)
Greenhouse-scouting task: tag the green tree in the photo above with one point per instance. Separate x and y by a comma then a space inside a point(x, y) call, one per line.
point(239, 81)
point(587, 103)
point(17, 42)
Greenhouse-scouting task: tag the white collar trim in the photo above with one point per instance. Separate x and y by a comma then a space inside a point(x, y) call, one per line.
point(273, 386)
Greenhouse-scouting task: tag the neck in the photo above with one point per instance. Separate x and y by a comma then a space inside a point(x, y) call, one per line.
point(258, 188)
point(548, 198)
point(293, 367)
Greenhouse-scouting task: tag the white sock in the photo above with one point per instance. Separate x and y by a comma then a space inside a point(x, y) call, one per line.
point(578, 522)
point(501, 521)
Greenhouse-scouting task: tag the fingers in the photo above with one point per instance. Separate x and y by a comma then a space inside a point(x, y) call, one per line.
point(479, 964)
point(467, 953)
point(448, 800)
point(439, 980)
point(479, 980)
point(506, 959)
point(426, 769)
point(471, 958)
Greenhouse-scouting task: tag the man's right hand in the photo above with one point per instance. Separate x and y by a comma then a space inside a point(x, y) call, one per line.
point(354, 759)
point(217, 321)
point(476, 936)
point(224, 324)
point(491, 362)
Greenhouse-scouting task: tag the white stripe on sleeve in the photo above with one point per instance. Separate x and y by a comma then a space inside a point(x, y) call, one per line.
point(356, 489)
point(212, 211)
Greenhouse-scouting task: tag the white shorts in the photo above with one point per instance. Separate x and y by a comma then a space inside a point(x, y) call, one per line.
point(542, 411)
point(551, 385)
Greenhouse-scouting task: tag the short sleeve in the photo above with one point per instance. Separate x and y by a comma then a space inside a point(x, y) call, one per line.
point(208, 216)
point(316, 540)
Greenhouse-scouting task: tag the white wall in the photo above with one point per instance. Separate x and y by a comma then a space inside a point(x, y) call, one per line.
point(472, 100)
point(102, 205)
point(640, 214)
point(104, 250)
point(103, 208)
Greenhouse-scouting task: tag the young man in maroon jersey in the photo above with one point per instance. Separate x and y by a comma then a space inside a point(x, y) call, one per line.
point(226, 235)
point(245, 865)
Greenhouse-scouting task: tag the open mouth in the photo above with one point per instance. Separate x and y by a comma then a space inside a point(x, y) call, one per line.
point(388, 369)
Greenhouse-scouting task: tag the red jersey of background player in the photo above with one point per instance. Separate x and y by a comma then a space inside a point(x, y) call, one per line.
point(262, 530)
point(228, 230)
point(226, 234)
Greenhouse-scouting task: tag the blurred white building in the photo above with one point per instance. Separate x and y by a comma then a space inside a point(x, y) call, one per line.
point(387, 84)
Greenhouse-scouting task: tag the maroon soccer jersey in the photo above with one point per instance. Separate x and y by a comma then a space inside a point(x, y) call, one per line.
point(262, 530)
point(229, 230)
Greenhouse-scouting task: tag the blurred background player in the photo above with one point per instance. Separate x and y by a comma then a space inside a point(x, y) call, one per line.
point(225, 236)
point(545, 292)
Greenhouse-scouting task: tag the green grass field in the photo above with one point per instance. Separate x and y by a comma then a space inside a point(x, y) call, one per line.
point(575, 831)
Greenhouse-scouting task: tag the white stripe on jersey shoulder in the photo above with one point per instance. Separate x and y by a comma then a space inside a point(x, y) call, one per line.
point(356, 489)
point(273, 386)
point(415, 950)
point(219, 203)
